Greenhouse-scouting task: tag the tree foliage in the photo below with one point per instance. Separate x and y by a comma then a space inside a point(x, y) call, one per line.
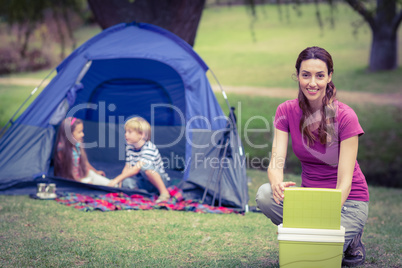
point(180, 17)
point(28, 15)
point(384, 18)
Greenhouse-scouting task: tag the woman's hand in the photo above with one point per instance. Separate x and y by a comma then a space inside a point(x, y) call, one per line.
point(279, 188)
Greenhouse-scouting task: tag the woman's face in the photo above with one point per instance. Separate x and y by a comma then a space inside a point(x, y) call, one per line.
point(313, 79)
point(78, 133)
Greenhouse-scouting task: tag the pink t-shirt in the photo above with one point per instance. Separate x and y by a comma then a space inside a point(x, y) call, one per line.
point(320, 162)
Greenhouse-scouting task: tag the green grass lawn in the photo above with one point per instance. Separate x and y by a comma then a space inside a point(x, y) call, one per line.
point(11, 97)
point(37, 233)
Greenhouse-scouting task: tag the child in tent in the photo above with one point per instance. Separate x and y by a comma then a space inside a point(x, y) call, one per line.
point(144, 167)
point(70, 159)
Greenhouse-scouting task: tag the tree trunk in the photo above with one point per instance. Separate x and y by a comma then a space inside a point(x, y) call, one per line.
point(384, 50)
point(180, 17)
point(384, 25)
point(27, 34)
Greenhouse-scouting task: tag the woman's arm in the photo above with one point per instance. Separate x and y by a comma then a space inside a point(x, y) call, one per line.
point(277, 163)
point(347, 162)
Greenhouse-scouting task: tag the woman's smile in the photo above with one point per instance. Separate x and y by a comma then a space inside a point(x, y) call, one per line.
point(312, 91)
point(313, 80)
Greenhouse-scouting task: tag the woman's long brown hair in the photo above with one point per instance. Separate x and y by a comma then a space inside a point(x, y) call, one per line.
point(63, 160)
point(327, 111)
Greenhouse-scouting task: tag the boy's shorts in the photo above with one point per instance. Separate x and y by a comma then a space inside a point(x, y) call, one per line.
point(140, 181)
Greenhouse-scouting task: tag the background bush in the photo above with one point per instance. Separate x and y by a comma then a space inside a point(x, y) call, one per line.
point(12, 62)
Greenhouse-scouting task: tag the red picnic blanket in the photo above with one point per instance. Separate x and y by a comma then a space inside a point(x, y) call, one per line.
point(122, 201)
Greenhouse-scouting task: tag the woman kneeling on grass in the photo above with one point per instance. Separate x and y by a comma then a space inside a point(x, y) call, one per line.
point(324, 136)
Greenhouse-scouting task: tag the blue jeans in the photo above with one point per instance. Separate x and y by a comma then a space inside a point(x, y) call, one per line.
point(140, 181)
point(354, 214)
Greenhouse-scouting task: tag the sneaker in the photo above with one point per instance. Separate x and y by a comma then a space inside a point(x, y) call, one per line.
point(162, 198)
point(355, 254)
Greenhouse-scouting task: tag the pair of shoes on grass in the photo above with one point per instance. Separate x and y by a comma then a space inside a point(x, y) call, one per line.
point(355, 254)
point(162, 198)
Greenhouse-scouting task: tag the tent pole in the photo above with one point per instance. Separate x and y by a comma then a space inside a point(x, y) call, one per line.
point(219, 179)
point(11, 120)
point(240, 149)
point(232, 116)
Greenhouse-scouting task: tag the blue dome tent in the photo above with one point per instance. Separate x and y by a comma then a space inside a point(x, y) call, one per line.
point(127, 70)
